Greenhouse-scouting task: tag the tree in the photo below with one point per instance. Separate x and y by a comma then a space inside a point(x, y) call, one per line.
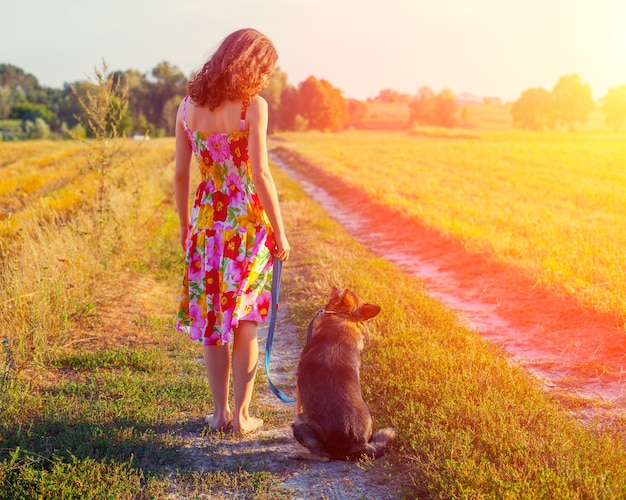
point(273, 95)
point(169, 113)
point(37, 129)
point(615, 107)
point(428, 108)
point(14, 77)
point(572, 101)
point(27, 111)
point(357, 111)
point(6, 101)
point(138, 101)
point(445, 109)
point(288, 112)
point(322, 105)
point(532, 111)
point(169, 82)
point(421, 108)
point(390, 95)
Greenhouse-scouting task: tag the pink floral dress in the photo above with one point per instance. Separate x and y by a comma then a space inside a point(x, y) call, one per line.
point(228, 264)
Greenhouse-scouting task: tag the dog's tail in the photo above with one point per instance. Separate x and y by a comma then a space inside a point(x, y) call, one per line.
point(380, 440)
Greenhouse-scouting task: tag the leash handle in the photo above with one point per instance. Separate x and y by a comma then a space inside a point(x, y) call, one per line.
point(276, 276)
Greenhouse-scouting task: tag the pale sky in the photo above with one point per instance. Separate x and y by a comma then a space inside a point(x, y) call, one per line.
point(491, 48)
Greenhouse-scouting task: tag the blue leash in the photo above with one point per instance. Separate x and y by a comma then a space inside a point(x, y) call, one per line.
point(277, 273)
point(276, 276)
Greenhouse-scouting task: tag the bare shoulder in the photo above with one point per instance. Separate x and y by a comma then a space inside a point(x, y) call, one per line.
point(258, 100)
point(257, 113)
point(258, 105)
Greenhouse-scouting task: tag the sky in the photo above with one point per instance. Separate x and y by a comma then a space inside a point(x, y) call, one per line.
point(489, 48)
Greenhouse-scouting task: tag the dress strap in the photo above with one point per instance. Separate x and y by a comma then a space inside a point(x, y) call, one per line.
point(242, 122)
point(183, 113)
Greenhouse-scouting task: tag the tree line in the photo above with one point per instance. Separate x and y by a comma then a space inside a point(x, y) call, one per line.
point(153, 99)
point(568, 104)
point(314, 104)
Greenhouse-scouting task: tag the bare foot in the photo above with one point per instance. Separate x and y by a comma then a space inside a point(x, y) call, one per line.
point(218, 423)
point(248, 424)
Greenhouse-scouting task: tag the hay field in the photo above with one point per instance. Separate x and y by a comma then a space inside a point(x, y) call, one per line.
point(550, 204)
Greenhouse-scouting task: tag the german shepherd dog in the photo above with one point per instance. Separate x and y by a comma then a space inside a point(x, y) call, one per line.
point(332, 420)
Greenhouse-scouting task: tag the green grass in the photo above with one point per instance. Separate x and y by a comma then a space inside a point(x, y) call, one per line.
point(548, 204)
point(11, 125)
point(469, 424)
point(111, 417)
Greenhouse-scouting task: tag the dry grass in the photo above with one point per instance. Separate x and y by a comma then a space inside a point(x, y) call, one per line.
point(54, 253)
point(548, 204)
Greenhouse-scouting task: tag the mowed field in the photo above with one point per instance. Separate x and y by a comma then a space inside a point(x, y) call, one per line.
point(101, 398)
point(550, 204)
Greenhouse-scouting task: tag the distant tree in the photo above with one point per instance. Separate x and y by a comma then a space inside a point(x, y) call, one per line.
point(138, 101)
point(37, 129)
point(357, 111)
point(572, 101)
point(273, 95)
point(51, 99)
point(14, 77)
point(70, 111)
point(142, 126)
point(615, 107)
point(445, 109)
point(322, 105)
point(167, 82)
point(22, 97)
point(289, 109)
point(533, 110)
point(27, 111)
point(390, 95)
point(169, 113)
point(422, 107)
point(6, 101)
point(428, 108)
point(387, 95)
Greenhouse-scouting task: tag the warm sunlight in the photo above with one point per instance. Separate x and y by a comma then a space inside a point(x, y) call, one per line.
point(607, 48)
point(432, 192)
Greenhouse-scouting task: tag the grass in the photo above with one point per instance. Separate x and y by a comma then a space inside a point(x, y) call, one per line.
point(548, 204)
point(469, 424)
point(105, 395)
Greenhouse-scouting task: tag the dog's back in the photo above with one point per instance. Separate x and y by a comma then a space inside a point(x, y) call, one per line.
point(334, 421)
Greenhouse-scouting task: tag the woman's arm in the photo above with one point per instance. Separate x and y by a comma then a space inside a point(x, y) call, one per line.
point(261, 175)
point(181, 177)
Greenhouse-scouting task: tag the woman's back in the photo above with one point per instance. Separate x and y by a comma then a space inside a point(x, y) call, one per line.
point(225, 118)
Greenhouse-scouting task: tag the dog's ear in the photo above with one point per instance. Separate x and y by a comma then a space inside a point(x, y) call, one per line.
point(367, 311)
point(337, 294)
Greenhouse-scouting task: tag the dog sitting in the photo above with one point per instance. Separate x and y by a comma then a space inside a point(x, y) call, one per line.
point(332, 420)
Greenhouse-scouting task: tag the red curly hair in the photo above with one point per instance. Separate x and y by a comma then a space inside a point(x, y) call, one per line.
point(239, 69)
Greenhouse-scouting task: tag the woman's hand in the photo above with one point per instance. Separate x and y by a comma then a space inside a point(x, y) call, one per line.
point(183, 237)
point(281, 248)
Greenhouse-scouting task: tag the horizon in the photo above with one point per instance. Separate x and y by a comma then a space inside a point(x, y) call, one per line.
point(485, 49)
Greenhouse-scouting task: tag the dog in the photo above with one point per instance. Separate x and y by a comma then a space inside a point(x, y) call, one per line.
point(332, 420)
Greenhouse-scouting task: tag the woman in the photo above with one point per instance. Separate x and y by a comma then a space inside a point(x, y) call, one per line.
point(235, 228)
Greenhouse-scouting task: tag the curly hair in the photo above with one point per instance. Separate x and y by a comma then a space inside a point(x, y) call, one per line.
point(239, 69)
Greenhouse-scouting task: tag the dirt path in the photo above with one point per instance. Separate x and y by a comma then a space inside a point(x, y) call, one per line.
point(571, 349)
point(270, 449)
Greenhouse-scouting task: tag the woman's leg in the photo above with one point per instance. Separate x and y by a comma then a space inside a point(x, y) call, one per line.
point(217, 365)
point(245, 357)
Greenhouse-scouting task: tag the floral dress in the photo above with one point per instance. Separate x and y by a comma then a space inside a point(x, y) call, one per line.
point(228, 263)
